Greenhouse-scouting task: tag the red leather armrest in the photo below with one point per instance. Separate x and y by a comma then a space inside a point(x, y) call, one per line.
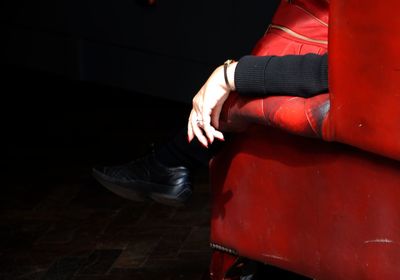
point(297, 115)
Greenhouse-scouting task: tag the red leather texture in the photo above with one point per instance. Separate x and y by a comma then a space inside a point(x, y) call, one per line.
point(294, 17)
point(301, 116)
point(365, 73)
point(323, 209)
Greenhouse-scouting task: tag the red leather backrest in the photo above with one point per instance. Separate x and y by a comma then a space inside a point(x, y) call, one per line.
point(364, 73)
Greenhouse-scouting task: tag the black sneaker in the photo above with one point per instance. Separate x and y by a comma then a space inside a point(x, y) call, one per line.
point(147, 178)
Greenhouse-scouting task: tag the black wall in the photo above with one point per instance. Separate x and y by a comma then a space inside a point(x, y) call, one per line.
point(167, 50)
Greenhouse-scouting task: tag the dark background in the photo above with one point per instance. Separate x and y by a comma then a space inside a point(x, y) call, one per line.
point(74, 72)
point(87, 83)
point(165, 50)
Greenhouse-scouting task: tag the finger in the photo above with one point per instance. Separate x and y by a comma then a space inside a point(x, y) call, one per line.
point(199, 133)
point(208, 129)
point(219, 135)
point(209, 132)
point(190, 133)
point(216, 134)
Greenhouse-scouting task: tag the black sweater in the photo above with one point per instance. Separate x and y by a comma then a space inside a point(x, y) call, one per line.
point(295, 75)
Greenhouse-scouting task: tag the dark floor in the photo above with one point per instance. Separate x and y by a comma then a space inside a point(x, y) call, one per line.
point(56, 222)
point(66, 226)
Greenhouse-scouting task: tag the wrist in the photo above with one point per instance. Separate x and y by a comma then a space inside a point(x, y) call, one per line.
point(229, 74)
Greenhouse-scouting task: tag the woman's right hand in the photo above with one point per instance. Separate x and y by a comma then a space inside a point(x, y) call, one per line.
point(207, 105)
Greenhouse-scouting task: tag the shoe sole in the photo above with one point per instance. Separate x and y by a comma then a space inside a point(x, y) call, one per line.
point(147, 193)
point(118, 190)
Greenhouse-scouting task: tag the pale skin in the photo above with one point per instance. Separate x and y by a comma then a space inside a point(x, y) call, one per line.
point(207, 104)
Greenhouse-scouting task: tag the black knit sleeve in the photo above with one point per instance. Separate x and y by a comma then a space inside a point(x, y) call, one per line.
point(296, 75)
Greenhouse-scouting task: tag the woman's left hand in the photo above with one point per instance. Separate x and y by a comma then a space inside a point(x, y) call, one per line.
point(207, 106)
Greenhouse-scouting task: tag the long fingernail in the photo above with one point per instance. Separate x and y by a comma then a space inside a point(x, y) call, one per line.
point(204, 145)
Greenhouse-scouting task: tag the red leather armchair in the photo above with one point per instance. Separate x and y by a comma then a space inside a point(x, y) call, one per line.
point(327, 205)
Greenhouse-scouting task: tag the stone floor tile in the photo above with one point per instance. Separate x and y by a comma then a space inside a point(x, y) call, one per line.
point(24, 273)
point(139, 248)
point(61, 232)
point(201, 257)
point(20, 235)
point(130, 214)
point(28, 258)
point(99, 262)
point(198, 240)
point(96, 277)
point(187, 276)
point(191, 217)
point(137, 274)
point(130, 260)
point(64, 268)
point(94, 196)
point(119, 237)
point(175, 265)
point(20, 195)
point(171, 242)
point(80, 247)
point(156, 215)
point(74, 237)
point(58, 197)
point(95, 224)
point(199, 201)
